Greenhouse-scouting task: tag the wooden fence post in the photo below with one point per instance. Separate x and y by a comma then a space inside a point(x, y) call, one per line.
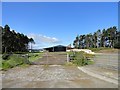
point(67, 57)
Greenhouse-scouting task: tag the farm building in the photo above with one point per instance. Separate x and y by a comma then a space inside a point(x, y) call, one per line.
point(59, 48)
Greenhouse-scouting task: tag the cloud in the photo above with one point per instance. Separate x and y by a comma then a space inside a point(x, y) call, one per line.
point(43, 40)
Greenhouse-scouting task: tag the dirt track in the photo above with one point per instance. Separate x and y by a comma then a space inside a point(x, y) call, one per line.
point(52, 58)
point(51, 76)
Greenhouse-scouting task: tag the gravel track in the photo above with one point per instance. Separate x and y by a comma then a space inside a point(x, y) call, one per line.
point(106, 61)
point(51, 76)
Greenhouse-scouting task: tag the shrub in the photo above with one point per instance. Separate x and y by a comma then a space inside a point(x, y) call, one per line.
point(79, 59)
point(117, 45)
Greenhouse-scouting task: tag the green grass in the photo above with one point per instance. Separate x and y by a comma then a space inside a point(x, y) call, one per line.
point(90, 62)
point(19, 60)
point(13, 61)
point(35, 56)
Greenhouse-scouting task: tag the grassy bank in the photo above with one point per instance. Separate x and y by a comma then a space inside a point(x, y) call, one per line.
point(14, 60)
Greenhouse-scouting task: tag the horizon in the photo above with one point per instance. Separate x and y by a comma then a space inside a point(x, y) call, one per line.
point(58, 23)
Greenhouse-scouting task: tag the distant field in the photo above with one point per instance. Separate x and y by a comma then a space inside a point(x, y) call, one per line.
point(104, 50)
point(109, 51)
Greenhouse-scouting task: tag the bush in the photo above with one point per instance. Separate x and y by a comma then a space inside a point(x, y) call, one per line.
point(80, 59)
point(117, 45)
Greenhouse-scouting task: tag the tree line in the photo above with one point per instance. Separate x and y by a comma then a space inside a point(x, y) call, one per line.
point(14, 41)
point(101, 38)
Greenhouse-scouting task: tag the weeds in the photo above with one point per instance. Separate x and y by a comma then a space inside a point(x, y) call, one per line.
point(14, 60)
point(80, 58)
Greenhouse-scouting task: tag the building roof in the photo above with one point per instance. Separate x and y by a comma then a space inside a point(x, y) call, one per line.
point(56, 46)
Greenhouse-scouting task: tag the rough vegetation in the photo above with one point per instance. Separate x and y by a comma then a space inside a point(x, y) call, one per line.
point(81, 58)
point(14, 60)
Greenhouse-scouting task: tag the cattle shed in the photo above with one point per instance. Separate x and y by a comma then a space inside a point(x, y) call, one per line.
point(58, 48)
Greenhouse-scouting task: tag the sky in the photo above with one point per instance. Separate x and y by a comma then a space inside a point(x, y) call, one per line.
point(58, 23)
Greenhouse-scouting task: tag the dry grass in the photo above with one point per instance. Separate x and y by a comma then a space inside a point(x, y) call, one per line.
point(109, 51)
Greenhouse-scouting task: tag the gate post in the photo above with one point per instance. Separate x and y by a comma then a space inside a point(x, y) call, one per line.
point(67, 57)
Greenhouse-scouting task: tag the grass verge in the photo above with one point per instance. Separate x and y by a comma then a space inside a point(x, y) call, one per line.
point(35, 56)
